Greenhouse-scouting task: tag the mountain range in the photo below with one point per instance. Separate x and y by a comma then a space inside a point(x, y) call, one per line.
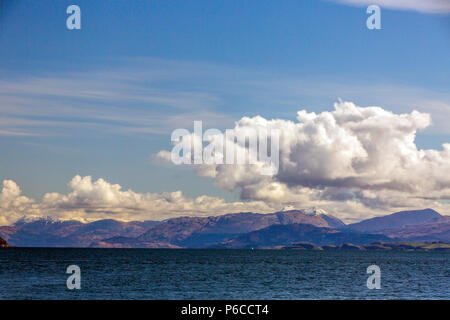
point(237, 230)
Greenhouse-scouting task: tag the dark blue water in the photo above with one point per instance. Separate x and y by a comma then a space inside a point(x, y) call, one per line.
point(221, 274)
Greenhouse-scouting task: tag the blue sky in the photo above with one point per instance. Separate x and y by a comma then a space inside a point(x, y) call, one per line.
point(102, 100)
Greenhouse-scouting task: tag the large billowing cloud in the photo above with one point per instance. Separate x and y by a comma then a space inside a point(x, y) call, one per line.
point(364, 157)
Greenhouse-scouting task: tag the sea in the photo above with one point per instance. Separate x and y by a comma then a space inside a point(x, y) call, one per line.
point(41, 273)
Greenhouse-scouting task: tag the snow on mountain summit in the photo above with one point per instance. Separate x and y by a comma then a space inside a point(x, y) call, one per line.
point(314, 211)
point(30, 219)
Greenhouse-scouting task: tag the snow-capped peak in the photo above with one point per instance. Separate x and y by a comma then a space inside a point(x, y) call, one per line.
point(33, 218)
point(314, 211)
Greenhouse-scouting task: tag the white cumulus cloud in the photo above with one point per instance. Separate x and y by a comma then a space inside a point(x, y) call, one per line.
point(363, 156)
point(13, 205)
point(91, 200)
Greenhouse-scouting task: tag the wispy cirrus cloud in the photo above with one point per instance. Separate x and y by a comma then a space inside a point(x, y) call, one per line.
point(155, 96)
point(126, 100)
point(426, 6)
point(15, 133)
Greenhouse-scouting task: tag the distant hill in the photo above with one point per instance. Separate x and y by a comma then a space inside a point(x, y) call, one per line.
point(396, 220)
point(3, 243)
point(376, 246)
point(434, 231)
point(47, 232)
point(281, 235)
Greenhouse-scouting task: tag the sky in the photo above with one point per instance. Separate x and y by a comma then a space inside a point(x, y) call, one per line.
point(85, 114)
